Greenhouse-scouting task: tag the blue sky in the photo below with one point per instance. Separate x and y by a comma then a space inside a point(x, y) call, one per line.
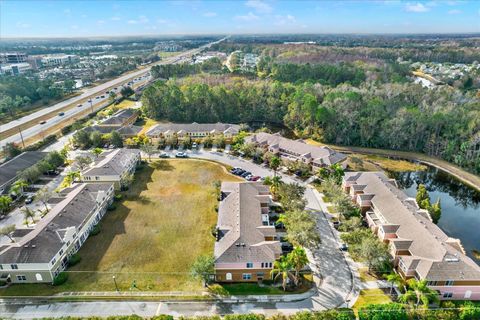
point(115, 18)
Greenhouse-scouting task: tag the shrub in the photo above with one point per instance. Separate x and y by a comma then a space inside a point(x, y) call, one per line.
point(112, 207)
point(95, 230)
point(163, 317)
point(74, 259)
point(118, 197)
point(60, 279)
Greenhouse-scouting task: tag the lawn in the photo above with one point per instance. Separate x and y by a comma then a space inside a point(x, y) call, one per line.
point(371, 296)
point(366, 276)
point(153, 236)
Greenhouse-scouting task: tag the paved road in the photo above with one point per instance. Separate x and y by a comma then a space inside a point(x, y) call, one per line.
point(97, 90)
point(328, 260)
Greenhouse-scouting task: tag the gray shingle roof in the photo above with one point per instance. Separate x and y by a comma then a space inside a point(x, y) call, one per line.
point(11, 168)
point(44, 242)
point(320, 155)
point(439, 256)
point(119, 118)
point(240, 222)
point(192, 127)
point(111, 162)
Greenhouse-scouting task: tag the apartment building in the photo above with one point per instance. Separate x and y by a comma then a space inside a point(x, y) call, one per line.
point(122, 118)
point(40, 254)
point(11, 169)
point(247, 244)
point(192, 130)
point(112, 166)
point(295, 150)
point(420, 249)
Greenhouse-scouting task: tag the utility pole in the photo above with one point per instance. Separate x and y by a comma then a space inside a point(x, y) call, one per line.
point(91, 104)
point(21, 137)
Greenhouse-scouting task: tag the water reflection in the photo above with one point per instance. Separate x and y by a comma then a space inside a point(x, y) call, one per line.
point(460, 203)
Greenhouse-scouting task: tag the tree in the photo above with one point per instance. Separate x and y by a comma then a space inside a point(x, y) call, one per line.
point(418, 292)
point(30, 174)
point(149, 150)
point(5, 202)
point(71, 177)
point(82, 139)
point(126, 91)
point(28, 214)
point(11, 150)
point(301, 228)
point(96, 139)
point(387, 311)
point(97, 151)
point(469, 311)
point(7, 231)
point(112, 96)
point(275, 164)
point(43, 195)
point(83, 161)
point(116, 139)
point(435, 211)
point(203, 268)
point(423, 199)
point(298, 260)
point(291, 196)
point(282, 268)
point(18, 187)
point(394, 279)
point(374, 252)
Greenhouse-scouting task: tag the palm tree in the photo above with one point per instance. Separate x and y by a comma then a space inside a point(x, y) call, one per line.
point(394, 279)
point(28, 213)
point(5, 202)
point(282, 268)
point(18, 186)
point(298, 259)
point(418, 291)
point(276, 182)
point(275, 164)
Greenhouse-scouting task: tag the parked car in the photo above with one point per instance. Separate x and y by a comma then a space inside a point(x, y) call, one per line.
point(194, 145)
point(249, 177)
point(181, 155)
point(164, 155)
point(245, 174)
point(61, 114)
point(343, 247)
point(29, 200)
point(234, 169)
point(239, 172)
point(255, 178)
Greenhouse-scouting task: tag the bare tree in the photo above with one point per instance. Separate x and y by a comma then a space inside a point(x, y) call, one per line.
point(7, 231)
point(43, 195)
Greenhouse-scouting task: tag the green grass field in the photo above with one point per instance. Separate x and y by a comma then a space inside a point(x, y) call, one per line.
point(371, 296)
point(153, 236)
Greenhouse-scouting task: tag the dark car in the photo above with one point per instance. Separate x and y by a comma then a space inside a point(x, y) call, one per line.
point(336, 224)
point(43, 122)
point(343, 247)
point(61, 114)
point(245, 174)
point(29, 200)
point(79, 105)
point(234, 169)
point(239, 172)
point(164, 155)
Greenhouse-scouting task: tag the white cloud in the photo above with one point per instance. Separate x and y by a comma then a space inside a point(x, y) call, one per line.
point(115, 18)
point(210, 14)
point(454, 11)
point(259, 6)
point(101, 22)
point(416, 7)
point(283, 20)
point(132, 21)
point(248, 17)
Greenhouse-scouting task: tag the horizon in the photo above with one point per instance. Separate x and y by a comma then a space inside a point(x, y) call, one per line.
point(87, 19)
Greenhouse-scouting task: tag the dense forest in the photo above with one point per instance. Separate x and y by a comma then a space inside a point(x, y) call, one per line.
point(442, 122)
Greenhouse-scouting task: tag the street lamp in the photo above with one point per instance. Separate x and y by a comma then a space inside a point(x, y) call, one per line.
point(91, 104)
point(115, 281)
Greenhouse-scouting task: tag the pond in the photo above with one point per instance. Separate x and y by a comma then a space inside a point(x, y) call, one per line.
point(460, 204)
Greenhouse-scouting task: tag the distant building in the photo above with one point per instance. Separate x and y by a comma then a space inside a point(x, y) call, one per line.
point(122, 118)
point(40, 254)
point(10, 170)
point(15, 68)
point(193, 130)
point(59, 59)
point(294, 150)
point(112, 166)
point(420, 249)
point(247, 244)
point(13, 57)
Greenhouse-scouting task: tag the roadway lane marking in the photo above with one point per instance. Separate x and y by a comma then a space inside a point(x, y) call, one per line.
point(157, 313)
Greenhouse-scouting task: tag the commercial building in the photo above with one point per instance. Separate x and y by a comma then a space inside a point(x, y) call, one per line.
point(112, 166)
point(13, 57)
point(420, 249)
point(15, 68)
point(247, 243)
point(40, 254)
point(192, 130)
point(10, 170)
point(294, 150)
point(59, 59)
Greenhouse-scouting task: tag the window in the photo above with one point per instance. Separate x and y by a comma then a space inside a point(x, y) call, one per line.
point(260, 274)
point(22, 278)
point(468, 294)
point(228, 276)
point(14, 266)
point(39, 277)
point(247, 276)
point(270, 265)
point(447, 294)
point(53, 261)
point(249, 265)
point(449, 283)
point(432, 283)
point(61, 252)
point(263, 265)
